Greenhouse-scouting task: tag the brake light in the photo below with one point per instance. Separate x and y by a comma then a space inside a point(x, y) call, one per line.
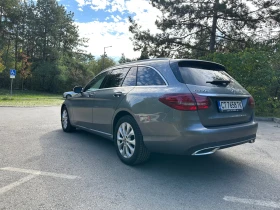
point(251, 102)
point(202, 102)
point(185, 102)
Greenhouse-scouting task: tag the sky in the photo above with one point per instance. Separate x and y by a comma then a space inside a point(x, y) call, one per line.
point(105, 23)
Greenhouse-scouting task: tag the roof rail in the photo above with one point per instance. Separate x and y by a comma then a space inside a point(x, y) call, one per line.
point(138, 61)
point(145, 60)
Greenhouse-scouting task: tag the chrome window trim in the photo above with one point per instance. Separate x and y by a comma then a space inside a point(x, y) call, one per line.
point(165, 81)
point(222, 95)
point(111, 88)
point(149, 86)
point(145, 86)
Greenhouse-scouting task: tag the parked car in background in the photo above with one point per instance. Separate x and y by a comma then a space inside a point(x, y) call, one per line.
point(68, 94)
point(173, 106)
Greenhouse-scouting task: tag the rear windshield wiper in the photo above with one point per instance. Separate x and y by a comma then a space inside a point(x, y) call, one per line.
point(219, 82)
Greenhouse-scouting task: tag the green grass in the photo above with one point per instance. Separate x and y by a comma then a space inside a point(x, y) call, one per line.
point(29, 98)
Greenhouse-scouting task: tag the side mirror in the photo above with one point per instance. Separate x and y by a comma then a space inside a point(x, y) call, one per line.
point(78, 89)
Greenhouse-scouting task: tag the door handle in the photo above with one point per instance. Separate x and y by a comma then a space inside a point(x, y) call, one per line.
point(117, 94)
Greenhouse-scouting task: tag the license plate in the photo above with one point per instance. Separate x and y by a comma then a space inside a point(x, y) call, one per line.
point(230, 106)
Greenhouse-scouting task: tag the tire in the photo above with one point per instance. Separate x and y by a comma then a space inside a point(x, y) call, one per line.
point(129, 143)
point(65, 121)
point(68, 96)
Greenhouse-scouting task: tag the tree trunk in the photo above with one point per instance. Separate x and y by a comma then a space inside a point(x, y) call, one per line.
point(214, 27)
point(16, 47)
point(1, 12)
point(7, 52)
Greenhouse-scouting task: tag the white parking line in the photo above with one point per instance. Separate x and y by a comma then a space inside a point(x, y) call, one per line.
point(270, 204)
point(17, 183)
point(34, 172)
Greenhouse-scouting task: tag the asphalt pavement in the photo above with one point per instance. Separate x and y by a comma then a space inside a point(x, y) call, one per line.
point(41, 167)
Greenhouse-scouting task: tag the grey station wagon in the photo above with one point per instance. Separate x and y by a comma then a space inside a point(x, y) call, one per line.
point(173, 106)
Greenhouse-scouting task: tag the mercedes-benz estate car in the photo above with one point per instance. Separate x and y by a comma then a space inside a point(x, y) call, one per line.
point(172, 106)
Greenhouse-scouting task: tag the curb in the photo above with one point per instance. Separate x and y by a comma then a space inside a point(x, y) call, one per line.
point(268, 119)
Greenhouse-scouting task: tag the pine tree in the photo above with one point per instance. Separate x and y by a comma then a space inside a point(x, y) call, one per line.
point(124, 59)
point(204, 26)
point(144, 53)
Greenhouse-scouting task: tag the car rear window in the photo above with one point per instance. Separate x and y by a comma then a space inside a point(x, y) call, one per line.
point(199, 73)
point(197, 76)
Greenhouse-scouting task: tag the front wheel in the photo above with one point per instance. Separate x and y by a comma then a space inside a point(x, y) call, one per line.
point(129, 142)
point(65, 121)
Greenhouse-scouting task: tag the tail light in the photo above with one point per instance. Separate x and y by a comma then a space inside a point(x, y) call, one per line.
point(185, 102)
point(251, 102)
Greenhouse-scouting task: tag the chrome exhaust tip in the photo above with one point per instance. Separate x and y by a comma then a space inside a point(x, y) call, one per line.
point(206, 151)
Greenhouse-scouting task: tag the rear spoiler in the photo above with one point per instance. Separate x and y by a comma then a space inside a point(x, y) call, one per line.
point(198, 64)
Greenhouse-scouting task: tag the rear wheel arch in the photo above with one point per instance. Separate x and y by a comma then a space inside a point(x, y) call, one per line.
point(118, 116)
point(139, 153)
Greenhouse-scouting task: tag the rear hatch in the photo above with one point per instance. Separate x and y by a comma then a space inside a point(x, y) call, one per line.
point(229, 103)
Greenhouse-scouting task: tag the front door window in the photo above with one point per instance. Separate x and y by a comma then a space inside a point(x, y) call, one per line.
point(96, 83)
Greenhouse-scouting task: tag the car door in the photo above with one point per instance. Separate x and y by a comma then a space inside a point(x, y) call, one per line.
point(81, 104)
point(107, 99)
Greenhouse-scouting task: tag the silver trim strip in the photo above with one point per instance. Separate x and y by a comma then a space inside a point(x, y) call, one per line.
point(222, 95)
point(122, 87)
point(150, 86)
point(94, 130)
point(218, 147)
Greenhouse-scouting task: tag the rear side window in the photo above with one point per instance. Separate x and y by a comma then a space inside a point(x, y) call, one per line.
point(147, 76)
point(130, 79)
point(115, 78)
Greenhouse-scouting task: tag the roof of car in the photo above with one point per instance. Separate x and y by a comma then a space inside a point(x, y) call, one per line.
point(156, 60)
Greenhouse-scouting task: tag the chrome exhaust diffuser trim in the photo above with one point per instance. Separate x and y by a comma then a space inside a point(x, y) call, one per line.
point(211, 150)
point(206, 151)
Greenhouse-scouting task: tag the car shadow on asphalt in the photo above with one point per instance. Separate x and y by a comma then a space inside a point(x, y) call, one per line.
point(82, 140)
point(87, 153)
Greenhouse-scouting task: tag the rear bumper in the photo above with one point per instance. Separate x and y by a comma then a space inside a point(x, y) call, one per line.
point(198, 139)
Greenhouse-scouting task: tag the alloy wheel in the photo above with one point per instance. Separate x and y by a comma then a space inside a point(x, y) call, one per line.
point(126, 140)
point(64, 119)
